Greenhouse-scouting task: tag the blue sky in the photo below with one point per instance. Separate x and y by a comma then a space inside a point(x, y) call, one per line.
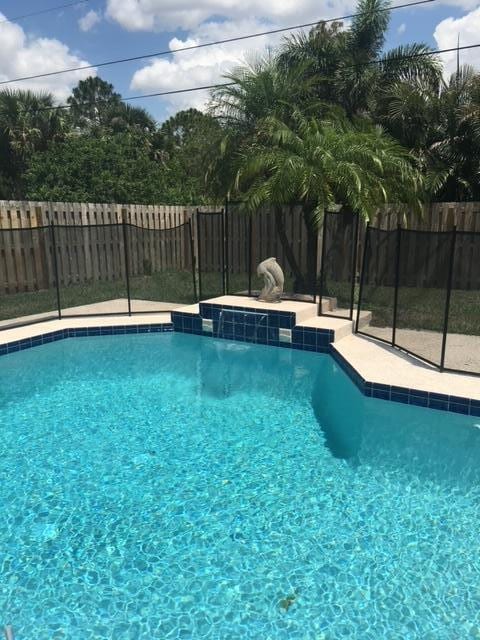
point(106, 29)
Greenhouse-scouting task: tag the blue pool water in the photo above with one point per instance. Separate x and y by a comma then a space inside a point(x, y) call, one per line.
point(171, 486)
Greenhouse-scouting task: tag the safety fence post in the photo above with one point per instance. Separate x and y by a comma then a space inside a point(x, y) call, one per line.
point(447, 301)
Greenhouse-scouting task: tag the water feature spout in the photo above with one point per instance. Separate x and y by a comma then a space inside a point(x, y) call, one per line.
point(259, 319)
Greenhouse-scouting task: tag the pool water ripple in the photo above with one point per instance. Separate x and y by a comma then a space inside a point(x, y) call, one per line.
point(166, 486)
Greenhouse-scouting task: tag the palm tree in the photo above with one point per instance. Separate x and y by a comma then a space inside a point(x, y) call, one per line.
point(320, 164)
point(454, 149)
point(259, 89)
point(442, 127)
point(351, 64)
point(28, 122)
point(124, 117)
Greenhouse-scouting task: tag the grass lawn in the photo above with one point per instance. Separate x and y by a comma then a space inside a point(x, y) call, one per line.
point(164, 287)
point(167, 286)
point(418, 308)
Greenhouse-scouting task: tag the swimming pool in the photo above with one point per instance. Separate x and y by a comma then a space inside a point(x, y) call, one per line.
point(174, 486)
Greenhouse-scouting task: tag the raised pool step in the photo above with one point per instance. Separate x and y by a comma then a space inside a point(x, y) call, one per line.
point(303, 310)
point(342, 327)
point(293, 313)
point(286, 315)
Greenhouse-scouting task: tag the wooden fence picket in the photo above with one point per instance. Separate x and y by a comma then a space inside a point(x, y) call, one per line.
point(87, 251)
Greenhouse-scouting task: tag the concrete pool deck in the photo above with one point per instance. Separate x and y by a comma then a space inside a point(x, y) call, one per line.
point(462, 351)
point(381, 364)
point(374, 362)
point(117, 306)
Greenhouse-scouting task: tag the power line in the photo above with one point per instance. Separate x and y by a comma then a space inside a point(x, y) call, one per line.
point(141, 97)
point(42, 11)
point(412, 56)
point(208, 44)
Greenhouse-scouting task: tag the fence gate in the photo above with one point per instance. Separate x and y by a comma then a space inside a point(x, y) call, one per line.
point(211, 253)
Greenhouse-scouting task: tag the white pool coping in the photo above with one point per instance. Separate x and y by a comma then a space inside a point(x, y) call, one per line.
point(41, 328)
point(379, 363)
point(116, 306)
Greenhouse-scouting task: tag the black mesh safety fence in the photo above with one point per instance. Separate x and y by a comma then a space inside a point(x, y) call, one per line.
point(282, 233)
point(377, 284)
point(338, 264)
point(271, 232)
point(28, 287)
point(423, 274)
point(420, 291)
point(211, 248)
point(160, 267)
point(91, 269)
point(462, 345)
point(238, 231)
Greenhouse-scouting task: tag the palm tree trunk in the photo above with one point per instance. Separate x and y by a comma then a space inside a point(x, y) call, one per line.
point(304, 281)
point(310, 279)
point(288, 249)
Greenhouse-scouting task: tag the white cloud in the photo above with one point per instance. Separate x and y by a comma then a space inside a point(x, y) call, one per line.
point(212, 20)
point(201, 66)
point(89, 20)
point(168, 15)
point(466, 5)
point(24, 55)
point(447, 33)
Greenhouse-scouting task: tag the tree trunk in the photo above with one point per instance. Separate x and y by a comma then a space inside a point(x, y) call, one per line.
point(304, 281)
point(310, 278)
point(287, 248)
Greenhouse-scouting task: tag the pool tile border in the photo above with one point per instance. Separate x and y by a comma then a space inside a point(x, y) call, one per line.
point(303, 339)
point(82, 332)
point(279, 319)
point(239, 328)
point(404, 395)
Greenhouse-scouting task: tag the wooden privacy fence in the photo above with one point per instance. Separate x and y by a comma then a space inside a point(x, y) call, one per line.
point(91, 244)
point(425, 264)
point(25, 215)
point(249, 240)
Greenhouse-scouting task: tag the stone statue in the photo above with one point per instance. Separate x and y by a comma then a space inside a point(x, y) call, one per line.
point(273, 277)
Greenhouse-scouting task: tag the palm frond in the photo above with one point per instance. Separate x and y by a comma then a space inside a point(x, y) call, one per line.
point(368, 29)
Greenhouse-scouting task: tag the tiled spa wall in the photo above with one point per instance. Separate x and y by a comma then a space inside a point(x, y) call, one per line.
point(276, 328)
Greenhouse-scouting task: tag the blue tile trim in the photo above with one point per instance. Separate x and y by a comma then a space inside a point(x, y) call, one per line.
point(280, 319)
point(417, 397)
point(238, 325)
point(61, 334)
